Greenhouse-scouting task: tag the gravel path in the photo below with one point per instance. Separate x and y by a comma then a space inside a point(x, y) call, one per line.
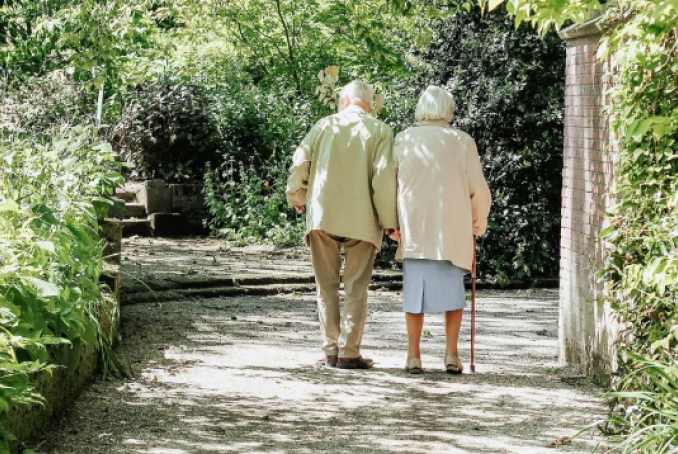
point(238, 375)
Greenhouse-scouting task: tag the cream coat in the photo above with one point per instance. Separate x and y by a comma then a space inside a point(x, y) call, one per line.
point(443, 198)
point(345, 173)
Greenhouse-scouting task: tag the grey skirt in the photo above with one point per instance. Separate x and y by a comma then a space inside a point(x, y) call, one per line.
point(432, 286)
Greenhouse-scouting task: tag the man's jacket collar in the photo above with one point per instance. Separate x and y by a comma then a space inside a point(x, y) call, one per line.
point(354, 109)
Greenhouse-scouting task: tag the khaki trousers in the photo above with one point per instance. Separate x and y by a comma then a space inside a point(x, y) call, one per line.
point(342, 333)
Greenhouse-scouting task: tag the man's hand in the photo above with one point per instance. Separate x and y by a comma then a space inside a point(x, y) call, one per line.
point(393, 234)
point(299, 208)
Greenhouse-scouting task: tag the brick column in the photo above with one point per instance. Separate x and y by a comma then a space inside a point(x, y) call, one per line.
point(586, 329)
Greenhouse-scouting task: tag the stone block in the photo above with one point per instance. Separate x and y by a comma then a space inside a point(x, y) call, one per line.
point(155, 183)
point(187, 198)
point(141, 227)
point(117, 210)
point(126, 195)
point(156, 199)
point(135, 210)
point(111, 230)
point(176, 224)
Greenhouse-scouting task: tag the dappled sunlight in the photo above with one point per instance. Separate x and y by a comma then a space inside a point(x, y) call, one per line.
point(239, 375)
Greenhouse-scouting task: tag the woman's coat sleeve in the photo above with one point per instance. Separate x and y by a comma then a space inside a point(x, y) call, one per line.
point(481, 198)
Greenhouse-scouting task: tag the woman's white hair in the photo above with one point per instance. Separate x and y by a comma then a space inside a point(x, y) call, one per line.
point(358, 91)
point(435, 103)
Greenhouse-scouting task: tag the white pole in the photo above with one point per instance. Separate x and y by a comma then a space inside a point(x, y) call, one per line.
point(100, 105)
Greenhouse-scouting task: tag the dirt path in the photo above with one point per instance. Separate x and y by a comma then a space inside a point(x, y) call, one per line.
point(238, 375)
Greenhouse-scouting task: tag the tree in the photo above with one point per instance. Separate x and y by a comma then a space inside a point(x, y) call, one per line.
point(299, 37)
point(88, 39)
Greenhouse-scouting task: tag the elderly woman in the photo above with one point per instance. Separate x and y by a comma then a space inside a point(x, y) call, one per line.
point(443, 201)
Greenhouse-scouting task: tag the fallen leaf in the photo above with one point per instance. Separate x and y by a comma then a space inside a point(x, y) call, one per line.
point(564, 441)
point(155, 379)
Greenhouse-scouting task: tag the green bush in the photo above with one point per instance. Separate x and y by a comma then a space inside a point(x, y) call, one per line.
point(509, 87)
point(245, 188)
point(36, 105)
point(53, 191)
point(248, 205)
point(640, 270)
point(167, 130)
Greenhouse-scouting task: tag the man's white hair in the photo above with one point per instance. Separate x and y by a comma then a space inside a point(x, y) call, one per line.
point(435, 103)
point(358, 91)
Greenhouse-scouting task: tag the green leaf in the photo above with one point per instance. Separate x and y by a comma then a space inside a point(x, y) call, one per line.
point(46, 246)
point(493, 4)
point(45, 289)
point(9, 205)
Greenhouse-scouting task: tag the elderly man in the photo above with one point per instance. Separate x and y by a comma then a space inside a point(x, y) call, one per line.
point(344, 171)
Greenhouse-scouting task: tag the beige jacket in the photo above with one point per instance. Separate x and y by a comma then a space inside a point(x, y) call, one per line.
point(344, 172)
point(443, 198)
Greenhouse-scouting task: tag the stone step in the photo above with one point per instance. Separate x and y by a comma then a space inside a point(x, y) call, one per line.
point(215, 292)
point(127, 196)
point(131, 227)
point(380, 279)
point(135, 210)
point(177, 225)
point(117, 211)
point(196, 280)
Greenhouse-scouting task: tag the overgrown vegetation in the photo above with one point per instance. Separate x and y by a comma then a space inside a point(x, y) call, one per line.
point(641, 269)
point(53, 191)
point(233, 83)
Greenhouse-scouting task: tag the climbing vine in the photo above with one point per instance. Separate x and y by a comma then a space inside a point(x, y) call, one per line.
point(641, 269)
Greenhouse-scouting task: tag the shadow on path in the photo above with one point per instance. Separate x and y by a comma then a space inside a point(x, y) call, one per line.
point(238, 375)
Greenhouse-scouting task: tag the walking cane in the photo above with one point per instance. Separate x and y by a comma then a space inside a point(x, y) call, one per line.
point(473, 307)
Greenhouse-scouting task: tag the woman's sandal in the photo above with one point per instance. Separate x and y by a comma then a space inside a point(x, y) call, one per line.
point(453, 365)
point(414, 366)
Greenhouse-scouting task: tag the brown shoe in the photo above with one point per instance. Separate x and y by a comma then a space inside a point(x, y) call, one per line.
point(355, 363)
point(328, 360)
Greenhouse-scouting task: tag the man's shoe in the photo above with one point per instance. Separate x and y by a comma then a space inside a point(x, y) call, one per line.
point(328, 360)
point(355, 363)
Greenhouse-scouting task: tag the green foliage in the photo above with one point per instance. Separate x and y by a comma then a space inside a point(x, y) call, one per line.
point(247, 201)
point(259, 124)
point(248, 205)
point(40, 104)
point(90, 40)
point(648, 419)
point(641, 267)
point(167, 130)
point(53, 191)
point(288, 41)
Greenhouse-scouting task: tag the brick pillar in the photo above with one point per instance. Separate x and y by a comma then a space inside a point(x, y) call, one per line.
point(586, 329)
